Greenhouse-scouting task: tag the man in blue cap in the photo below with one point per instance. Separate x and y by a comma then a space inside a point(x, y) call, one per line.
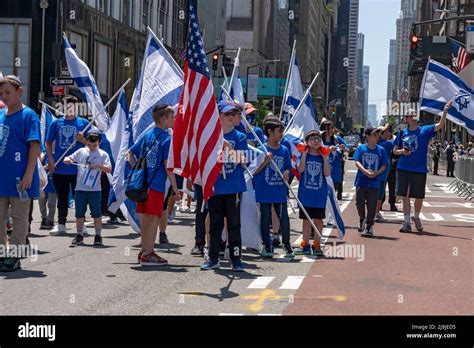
point(225, 203)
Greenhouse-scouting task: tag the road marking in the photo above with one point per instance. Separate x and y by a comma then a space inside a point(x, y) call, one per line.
point(427, 189)
point(260, 283)
point(261, 298)
point(230, 314)
point(337, 298)
point(292, 283)
point(309, 259)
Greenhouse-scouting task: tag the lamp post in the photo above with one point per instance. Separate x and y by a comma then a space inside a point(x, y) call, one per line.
point(43, 5)
point(254, 66)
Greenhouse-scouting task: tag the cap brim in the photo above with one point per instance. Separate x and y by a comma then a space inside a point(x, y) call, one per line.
point(250, 110)
point(228, 109)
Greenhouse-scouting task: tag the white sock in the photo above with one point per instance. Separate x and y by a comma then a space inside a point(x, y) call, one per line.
point(407, 218)
point(417, 214)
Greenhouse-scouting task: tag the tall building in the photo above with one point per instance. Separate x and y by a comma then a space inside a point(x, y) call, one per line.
point(212, 19)
point(366, 90)
point(408, 13)
point(109, 35)
point(372, 114)
point(391, 70)
point(360, 116)
point(261, 30)
point(352, 105)
point(311, 28)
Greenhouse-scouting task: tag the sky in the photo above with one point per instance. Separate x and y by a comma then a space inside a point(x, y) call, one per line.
point(377, 21)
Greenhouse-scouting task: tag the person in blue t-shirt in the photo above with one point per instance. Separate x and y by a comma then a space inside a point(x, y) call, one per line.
point(412, 146)
point(338, 147)
point(225, 203)
point(154, 145)
point(371, 162)
point(64, 132)
point(19, 150)
point(312, 191)
point(387, 143)
point(270, 188)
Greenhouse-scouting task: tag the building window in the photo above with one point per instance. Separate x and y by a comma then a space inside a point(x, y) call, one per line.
point(178, 26)
point(162, 19)
point(146, 18)
point(104, 6)
point(127, 9)
point(102, 67)
point(79, 41)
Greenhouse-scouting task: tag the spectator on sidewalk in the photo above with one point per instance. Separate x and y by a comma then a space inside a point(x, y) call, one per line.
point(450, 152)
point(436, 157)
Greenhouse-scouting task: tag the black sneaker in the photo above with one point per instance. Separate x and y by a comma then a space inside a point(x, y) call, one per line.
point(276, 242)
point(163, 238)
point(393, 207)
point(198, 250)
point(44, 225)
point(288, 251)
point(112, 221)
point(77, 240)
point(361, 226)
point(98, 240)
point(10, 264)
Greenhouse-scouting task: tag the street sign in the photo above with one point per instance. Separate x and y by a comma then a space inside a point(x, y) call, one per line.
point(58, 90)
point(470, 39)
point(252, 88)
point(61, 81)
point(65, 72)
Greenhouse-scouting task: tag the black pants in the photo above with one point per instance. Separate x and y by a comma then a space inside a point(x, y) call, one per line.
point(220, 207)
point(200, 217)
point(450, 171)
point(435, 166)
point(392, 182)
point(63, 183)
point(366, 196)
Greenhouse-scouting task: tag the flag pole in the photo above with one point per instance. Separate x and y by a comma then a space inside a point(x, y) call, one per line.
point(50, 107)
point(279, 172)
point(164, 48)
point(93, 119)
point(236, 67)
point(308, 91)
point(292, 62)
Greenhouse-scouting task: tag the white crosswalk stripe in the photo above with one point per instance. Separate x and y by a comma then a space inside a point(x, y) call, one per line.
point(260, 283)
point(292, 283)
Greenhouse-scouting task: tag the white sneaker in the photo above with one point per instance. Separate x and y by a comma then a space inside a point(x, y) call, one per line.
point(186, 210)
point(170, 220)
point(58, 229)
point(84, 231)
point(379, 218)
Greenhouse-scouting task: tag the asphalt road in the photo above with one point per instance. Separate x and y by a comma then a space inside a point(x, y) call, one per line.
point(392, 273)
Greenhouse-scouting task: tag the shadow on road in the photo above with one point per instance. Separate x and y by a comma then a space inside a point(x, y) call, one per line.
point(23, 274)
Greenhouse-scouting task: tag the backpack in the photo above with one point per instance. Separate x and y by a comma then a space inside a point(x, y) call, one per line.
point(136, 188)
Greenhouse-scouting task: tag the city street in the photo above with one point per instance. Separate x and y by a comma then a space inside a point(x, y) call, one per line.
point(392, 273)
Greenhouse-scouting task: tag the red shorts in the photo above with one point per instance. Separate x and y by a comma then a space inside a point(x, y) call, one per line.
point(153, 205)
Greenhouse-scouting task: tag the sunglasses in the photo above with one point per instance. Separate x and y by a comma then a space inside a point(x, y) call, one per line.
point(315, 139)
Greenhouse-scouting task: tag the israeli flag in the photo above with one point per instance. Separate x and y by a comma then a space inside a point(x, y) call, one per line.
point(45, 122)
point(295, 94)
point(84, 80)
point(161, 82)
point(333, 211)
point(120, 139)
point(439, 86)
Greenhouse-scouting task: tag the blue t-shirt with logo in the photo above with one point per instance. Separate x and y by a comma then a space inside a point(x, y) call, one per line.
point(63, 132)
point(16, 131)
point(417, 142)
point(388, 146)
point(157, 154)
point(235, 179)
point(260, 135)
point(269, 185)
point(370, 159)
point(313, 188)
point(335, 158)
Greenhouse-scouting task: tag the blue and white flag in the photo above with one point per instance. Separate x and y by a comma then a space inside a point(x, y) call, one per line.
point(84, 80)
point(333, 211)
point(45, 122)
point(161, 83)
point(294, 96)
point(120, 138)
point(439, 86)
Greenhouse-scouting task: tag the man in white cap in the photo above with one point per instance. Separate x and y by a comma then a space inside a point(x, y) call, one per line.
point(411, 145)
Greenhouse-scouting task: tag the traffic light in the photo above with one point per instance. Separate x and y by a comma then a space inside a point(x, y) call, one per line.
point(416, 51)
point(215, 61)
point(227, 63)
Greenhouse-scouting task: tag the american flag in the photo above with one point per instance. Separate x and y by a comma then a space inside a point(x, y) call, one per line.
point(197, 132)
point(459, 56)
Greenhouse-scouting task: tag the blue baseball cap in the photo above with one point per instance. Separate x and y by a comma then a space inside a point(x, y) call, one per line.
point(225, 106)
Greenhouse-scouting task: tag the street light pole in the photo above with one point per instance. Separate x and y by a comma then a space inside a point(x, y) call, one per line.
point(43, 5)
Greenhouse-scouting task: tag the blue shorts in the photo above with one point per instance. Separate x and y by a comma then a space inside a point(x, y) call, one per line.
point(381, 192)
point(91, 198)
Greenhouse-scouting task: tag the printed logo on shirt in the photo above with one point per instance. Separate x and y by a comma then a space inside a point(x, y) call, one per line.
point(313, 180)
point(274, 178)
point(4, 132)
point(152, 157)
point(67, 134)
point(370, 161)
point(410, 142)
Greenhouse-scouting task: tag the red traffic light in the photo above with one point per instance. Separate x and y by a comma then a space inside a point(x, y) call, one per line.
point(215, 57)
point(414, 39)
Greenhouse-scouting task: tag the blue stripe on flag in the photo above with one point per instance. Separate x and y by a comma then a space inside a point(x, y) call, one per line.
point(434, 104)
point(445, 72)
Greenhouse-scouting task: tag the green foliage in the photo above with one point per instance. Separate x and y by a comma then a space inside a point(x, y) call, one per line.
point(392, 120)
point(262, 110)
